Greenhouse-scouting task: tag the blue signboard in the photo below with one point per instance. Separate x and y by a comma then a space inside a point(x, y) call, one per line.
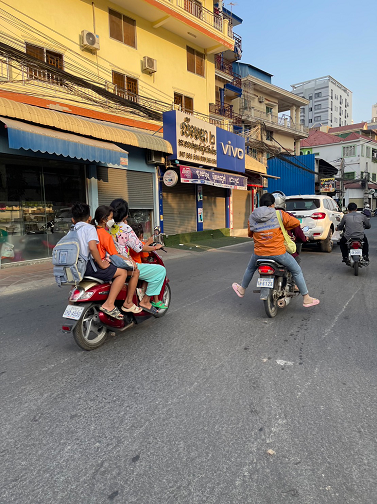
point(202, 143)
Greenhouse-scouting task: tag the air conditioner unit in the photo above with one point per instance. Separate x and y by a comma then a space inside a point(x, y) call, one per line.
point(149, 65)
point(261, 99)
point(154, 157)
point(89, 40)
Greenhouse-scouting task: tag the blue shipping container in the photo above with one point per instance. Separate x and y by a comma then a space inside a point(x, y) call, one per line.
point(293, 179)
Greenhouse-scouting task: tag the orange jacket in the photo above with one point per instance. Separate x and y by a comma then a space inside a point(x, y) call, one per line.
point(264, 228)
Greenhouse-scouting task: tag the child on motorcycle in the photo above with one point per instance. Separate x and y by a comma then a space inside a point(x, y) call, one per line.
point(105, 271)
point(103, 220)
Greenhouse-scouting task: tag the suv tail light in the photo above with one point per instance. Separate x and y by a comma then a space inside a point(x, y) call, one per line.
point(318, 215)
point(266, 270)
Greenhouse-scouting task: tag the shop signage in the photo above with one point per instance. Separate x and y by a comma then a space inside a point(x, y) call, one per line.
point(327, 185)
point(193, 175)
point(170, 178)
point(202, 143)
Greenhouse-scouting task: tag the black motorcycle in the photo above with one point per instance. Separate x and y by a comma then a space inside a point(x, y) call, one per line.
point(355, 255)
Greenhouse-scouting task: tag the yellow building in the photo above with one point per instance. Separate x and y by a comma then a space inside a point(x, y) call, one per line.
point(78, 75)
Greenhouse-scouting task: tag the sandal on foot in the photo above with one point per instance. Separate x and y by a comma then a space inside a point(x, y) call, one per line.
point(235, 287)
point(153, 311)
point(140, 293)
point(313, 303)
point(114, 313)
point(133, 309)
point(159, 305)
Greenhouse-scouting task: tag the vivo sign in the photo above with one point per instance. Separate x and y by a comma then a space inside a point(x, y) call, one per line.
point(202, 143)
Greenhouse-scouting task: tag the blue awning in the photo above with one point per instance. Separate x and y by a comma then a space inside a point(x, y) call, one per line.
point(234, 89)
point(29, 137)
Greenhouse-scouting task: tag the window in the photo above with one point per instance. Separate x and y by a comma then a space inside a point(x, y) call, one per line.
point(318, 95)
point(310, 97)
point(331, 94)
point(310, 120)
point(310, 109)
point(51, 58)
point(349, 150)
point(340, 110)
point(122, 28)
point(331, 106)
point(185, 103)
point(373, 177)
point(318, 106)
point(269, 110)
point(340, 100)
point(125, 87)
point(317, 118)
point(195, 61)
point(367, 152)
point(254, 153)
point(362, 150)
point(269, 135)
point(331, 117)
point(349, 175)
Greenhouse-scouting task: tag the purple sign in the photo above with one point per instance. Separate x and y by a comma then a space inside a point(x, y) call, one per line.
point(192, 175)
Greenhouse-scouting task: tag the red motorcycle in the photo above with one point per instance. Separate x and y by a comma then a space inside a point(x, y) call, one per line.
point(89, 326)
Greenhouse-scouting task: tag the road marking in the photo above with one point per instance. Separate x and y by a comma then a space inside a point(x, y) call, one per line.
point(340, 313)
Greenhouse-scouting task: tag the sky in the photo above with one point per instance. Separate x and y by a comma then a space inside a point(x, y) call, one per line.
point(297, 41)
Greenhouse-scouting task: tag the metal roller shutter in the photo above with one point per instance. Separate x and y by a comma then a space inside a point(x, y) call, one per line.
point(179, 204)
point(214, 207)
point(241, 208)
point(135, 187)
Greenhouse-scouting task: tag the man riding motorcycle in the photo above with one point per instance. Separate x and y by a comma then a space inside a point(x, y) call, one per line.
point(353, 225)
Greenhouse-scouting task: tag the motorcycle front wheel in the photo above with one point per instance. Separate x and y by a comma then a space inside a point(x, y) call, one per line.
point(89, 332)
point(166, 298)
point(271, 305)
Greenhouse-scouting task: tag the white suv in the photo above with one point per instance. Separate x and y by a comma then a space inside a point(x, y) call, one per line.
point(319, 213)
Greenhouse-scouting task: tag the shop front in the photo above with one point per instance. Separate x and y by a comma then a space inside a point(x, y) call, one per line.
point(205, 172)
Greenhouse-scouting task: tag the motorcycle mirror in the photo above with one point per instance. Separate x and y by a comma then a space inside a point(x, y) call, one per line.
point(157, 230)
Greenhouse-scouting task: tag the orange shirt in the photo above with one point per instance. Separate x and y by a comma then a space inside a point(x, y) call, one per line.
point(106, 243)
point(137, 256)
point(270, 242)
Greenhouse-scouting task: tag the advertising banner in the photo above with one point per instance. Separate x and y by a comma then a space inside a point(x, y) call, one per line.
point(192, 175)
point(202, 143)
point(327, 185)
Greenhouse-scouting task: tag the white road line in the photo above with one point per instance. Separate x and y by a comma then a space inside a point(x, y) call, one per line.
point(339, 314)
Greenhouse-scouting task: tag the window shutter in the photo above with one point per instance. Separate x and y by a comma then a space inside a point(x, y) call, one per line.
point(178, 100)
point(189, 104)
point(115, 20)
point(190, 59)
point(112, 183)
point(199, 60)
point(129, 31)
point(140, 190)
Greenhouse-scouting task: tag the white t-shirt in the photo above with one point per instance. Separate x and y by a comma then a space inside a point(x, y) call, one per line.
point(86, 233)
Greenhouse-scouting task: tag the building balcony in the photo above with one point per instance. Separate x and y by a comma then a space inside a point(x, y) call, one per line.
point(187, 19)
point(273, 122)
point(225, 110)
point(236, 52)
point(224, 70)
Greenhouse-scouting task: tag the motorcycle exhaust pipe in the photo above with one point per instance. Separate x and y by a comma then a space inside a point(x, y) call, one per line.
point(284, 302)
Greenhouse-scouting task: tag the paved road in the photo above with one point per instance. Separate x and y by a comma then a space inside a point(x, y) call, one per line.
point(184, 409)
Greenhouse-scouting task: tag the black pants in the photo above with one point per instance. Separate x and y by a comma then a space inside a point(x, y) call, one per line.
point(344, 248)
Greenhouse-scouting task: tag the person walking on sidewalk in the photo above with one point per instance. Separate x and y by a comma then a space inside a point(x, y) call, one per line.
point(264, 227)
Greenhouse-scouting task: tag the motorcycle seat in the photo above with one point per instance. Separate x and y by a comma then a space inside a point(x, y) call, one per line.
point(93, 279)
point(270, 261)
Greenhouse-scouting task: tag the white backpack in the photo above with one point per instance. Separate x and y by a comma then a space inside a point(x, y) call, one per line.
point(69, 263)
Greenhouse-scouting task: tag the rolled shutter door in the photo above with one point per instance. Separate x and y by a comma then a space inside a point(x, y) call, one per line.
point(214, 207)
point(179, 204)
point(241, 208)
point(133, 186)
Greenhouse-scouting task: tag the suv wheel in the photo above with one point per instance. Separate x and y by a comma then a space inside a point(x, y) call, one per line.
point(327, 244)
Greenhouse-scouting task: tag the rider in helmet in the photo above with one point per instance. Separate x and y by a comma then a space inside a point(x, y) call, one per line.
point(296, 233)
point(367, 211)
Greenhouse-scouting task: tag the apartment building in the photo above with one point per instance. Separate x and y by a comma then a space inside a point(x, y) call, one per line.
point(84, 87)
point(330, 103)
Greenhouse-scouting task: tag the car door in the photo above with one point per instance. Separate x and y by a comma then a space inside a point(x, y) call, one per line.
point(334, 213)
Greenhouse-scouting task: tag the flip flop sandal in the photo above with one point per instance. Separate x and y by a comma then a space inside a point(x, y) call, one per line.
point(235, 288)
point(114, 313)
point(313, 303)
point(153, 311)
point(140, 293)
point(133, 309)
point(159, 305)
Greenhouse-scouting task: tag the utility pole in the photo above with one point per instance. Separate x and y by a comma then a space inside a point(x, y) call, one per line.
point(366, 188)
point(342, 166)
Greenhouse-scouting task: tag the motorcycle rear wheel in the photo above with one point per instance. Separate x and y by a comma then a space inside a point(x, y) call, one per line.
point(89, 333)
point(271, 305)
point(356, 268)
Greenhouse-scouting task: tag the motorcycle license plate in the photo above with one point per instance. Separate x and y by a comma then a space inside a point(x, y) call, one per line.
point(73, 312)
point(265, 282)
point(356, 252)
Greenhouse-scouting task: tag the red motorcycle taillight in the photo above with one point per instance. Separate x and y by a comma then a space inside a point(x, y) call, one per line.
point(318, 215)
point(355, 245)
point(266, 270)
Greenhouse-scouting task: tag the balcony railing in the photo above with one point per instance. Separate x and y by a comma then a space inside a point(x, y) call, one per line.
point(237, 40)
point(227, 67)
point(196, 9)
point(225, 110)
point(284, 120)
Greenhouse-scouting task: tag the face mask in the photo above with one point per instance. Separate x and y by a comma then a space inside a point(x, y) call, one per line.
point(110, 223)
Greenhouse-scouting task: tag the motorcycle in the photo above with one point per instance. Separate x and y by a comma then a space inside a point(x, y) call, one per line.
point(277, 286)
point(89, 326)
point(355, 255)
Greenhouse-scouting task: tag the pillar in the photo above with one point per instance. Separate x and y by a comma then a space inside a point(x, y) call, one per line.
point(199, 207)
point(92, 183)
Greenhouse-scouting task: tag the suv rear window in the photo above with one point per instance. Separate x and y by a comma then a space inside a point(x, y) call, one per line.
point(302, 204)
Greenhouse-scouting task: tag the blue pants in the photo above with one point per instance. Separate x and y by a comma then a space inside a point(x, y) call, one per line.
point(285, 259)
point(155, 275)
